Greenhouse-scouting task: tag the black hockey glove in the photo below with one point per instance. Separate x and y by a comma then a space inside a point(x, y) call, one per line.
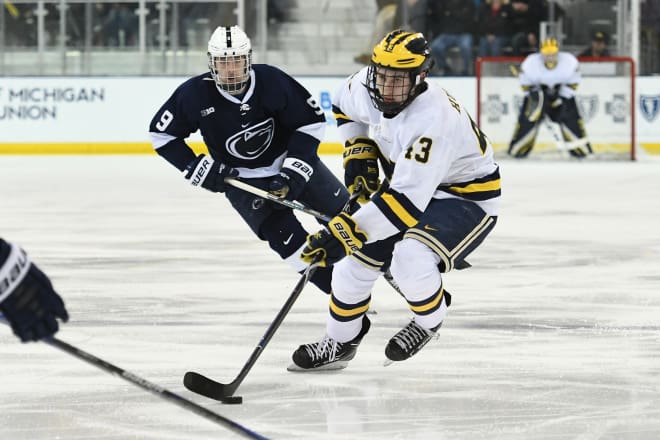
point(341, 238)
point(361, 166)
point(552, 95)
point(27, 297)
point(209, 174)
point(291, 180)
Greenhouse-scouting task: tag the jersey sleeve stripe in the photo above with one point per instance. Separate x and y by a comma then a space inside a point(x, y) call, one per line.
point(315, 130)
point(483, 188)
point(398, 209)
point(347, 312)
point(339, 116)
point(159, 140)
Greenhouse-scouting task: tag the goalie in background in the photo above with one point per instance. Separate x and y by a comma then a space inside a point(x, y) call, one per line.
point(27, 298)
point(549, 79)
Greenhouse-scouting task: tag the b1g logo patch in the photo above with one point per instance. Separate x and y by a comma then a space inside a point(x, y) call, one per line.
point(253, 141)
point(650, 106)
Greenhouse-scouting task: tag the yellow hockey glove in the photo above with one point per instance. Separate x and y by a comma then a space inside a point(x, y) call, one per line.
point(361, 166)
point(341, 238)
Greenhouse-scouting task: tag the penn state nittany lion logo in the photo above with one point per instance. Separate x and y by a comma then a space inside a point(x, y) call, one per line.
point(650, 106)
point(253, 141)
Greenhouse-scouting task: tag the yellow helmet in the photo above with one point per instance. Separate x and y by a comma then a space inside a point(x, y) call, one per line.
point(550, 51)
point(403, 54)
point(549, 46)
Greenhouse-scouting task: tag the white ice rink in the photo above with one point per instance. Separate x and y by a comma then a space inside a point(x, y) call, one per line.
point(553, 334)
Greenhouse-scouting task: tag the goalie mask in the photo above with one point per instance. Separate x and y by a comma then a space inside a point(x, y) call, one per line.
point(399, 65)
point(230, 58)
point(550, 51)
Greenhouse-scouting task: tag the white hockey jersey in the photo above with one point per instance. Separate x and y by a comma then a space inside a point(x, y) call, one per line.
point(433, 148)
point(565, 74)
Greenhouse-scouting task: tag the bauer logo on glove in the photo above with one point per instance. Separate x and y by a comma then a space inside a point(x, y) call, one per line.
point(361, 166)
point(341, 239)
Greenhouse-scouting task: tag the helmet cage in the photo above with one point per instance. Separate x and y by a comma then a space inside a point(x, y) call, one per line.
point(397, 70)
point(403, 86)
point(230, 58)
point(228, 73)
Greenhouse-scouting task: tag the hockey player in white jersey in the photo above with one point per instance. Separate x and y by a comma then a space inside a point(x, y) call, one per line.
point(549, 79)
point(438, 201)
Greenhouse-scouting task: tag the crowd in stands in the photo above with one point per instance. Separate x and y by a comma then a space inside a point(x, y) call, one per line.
point(115, 24)
point(461, 30)
point(474, 27)
point(458, 30)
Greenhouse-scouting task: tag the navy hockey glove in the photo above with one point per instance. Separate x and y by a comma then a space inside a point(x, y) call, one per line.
point(290, 182)
point(342, 238)
point(361, 166)
point(27, 297)
point(209, 174)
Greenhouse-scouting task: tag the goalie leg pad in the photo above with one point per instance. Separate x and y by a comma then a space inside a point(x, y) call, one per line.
point(523, 138)
point(533, 106)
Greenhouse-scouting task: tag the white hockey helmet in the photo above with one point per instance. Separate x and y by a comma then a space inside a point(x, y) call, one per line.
point(230, 58)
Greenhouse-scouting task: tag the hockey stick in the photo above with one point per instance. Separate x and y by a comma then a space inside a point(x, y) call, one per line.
point(148, 386)
point(201, 384)
point(293, 204)
point(560, 143)
point(303, 208)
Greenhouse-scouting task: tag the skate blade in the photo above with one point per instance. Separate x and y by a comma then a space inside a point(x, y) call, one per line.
point(387, 362)
point(339, 365)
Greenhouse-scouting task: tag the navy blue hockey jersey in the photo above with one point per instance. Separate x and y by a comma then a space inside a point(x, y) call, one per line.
point(275, 118)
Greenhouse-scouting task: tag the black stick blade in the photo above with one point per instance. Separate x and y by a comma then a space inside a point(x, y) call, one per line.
point(200, 384)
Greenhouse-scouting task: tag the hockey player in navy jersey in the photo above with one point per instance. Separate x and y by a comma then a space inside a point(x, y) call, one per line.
point(27, 298)
point(439, 201)
point(259, 125)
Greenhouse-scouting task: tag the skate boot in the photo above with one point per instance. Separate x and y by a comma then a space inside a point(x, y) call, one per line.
point(408, 341)
point(327, 354)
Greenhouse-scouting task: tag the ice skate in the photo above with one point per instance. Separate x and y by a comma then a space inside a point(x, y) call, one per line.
point(327, 354)
point(408, 341)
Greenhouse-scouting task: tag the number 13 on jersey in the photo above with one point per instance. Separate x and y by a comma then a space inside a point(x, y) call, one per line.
point(421, 150)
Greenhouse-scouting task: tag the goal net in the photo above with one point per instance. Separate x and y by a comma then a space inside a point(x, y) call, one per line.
point(605, 99)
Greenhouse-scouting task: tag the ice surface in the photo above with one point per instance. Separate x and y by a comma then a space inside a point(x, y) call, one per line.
point(553, 334)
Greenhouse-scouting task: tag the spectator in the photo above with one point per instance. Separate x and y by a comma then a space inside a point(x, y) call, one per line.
point(494, 23)
point(384, 23)
point(280, 10)
point(598, 48)
point(120, 25)
point(526, 18)
point(452, 25)
point(412, 15)
point(650, 37)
